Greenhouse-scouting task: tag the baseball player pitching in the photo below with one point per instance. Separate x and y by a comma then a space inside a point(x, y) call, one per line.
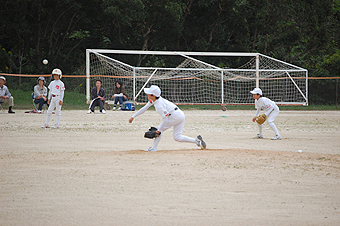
point(172, 117)
point(272, 111)
point(56, 89)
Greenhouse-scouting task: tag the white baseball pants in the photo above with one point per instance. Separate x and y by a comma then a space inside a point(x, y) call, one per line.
point(270, 120)
point(175, 120)
point(54, 104)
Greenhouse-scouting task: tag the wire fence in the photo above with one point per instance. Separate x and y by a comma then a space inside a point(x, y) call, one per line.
point(321, 90)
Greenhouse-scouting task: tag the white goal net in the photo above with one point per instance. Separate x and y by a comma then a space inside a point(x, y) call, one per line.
point(197, 78)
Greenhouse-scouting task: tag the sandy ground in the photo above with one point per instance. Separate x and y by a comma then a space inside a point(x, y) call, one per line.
point(93, 170)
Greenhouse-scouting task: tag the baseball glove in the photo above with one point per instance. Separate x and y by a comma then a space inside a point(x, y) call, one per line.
point(261, 119)
point(151, 133)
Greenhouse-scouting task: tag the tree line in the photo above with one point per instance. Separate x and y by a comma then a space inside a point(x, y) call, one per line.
point(302, 32)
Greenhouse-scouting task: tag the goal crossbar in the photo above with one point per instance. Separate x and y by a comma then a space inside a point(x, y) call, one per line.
point(169, 53)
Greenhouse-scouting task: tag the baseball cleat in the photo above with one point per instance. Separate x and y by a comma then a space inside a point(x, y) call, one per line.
point(45, 126)
point(200, 142)
point(259, 136)
point(277, 137)
point(89, 112)
point(114, 108)
point(151, 149)
point(103, 111)
point(55, 127)
point(119, 109)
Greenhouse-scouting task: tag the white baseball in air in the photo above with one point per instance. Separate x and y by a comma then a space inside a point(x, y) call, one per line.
point(45, 61)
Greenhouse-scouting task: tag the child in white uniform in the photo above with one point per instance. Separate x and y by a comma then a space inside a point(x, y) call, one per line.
point(272, 111)
point(172, 117)
point(56, 88)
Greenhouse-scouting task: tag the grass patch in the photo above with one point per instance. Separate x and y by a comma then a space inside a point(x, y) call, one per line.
point(77, 101)
point(72, 100)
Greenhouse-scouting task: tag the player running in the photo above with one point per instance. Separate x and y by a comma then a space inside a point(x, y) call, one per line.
point(272, 110)
point(56, 88)
point(172, 117)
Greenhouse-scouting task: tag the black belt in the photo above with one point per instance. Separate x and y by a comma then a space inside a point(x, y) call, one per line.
point(175, 109)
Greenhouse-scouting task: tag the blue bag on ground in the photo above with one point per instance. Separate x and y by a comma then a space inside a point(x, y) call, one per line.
point(128, 106)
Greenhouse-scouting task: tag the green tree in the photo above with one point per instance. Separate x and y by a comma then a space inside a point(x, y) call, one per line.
point(36, 29)
point(142, 25)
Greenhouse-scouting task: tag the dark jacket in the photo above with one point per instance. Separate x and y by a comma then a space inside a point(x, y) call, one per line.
point(101, 93)
point(119, 90)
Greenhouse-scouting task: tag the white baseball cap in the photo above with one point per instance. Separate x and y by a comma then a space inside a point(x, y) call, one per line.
point(2, 77)
point(256, 91)
point(57, 71)
point(154, 90)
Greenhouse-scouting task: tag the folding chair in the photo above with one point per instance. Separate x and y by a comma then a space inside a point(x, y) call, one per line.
point(1, 107)
point(35, 105)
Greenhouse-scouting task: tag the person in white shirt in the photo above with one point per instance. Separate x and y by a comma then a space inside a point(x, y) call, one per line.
point(56, 92)
point(272, 111)
point(5, 95)
point(172, 117)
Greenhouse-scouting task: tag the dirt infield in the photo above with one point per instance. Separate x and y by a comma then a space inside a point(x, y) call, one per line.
point(93, 170)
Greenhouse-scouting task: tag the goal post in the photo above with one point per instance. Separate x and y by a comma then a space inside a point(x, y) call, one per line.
point(197, 78)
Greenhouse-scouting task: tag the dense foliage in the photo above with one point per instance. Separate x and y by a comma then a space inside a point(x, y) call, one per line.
point(302, 32)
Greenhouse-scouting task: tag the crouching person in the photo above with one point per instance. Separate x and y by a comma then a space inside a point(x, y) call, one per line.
point(5, 95)
point(98, 98)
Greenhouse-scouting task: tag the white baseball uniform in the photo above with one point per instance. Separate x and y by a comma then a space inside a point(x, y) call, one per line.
point(172, 117)
point(56, 92)
point(272, 111)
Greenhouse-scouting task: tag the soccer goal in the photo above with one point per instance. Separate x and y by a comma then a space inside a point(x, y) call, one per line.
point(197, 78)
